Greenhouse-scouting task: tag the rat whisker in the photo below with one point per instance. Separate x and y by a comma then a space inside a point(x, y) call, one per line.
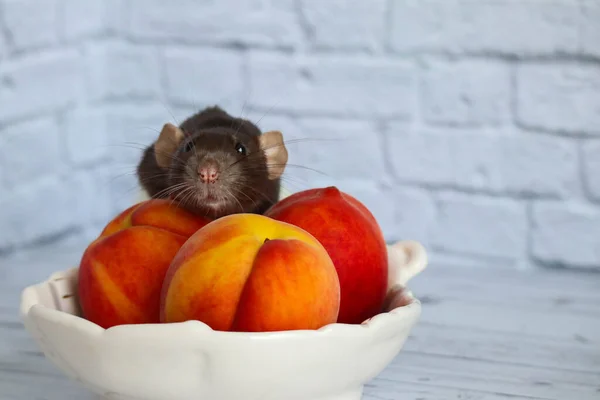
point(299, 166)
point(259, 171)
point(113, 178)
point(268, 111)
point(175, 199)
point(191, 193)
point(241, 117)
point(232, 196)
point(293, 181)
point(313, 139)
point(151, 178)
point(265, 168)
point(171, 189)
point(149, 128)
point(302, 140)
point(172, 156)
point(169, 111)
point(128, 170)
point(241, 192)
point(162, 174)
point(249, 171)
point(257, 192)
point(260, 153)
point(197, 202)
point(126, 192)
point(275, 103)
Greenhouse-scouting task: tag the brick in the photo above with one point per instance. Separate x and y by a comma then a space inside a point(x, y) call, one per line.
point(590, 28)
point(415, 214)
point(31, 150)
point(3, 49)
point(3, 163)
point(248, 22)
point(186, 74)
point(502, 27)
point(133, 127)
point(468, 93)
point(31, 24)
point(514, 163)
point(93, 195)
point(267, 120)
point(35, 211)
point(340, 85)
point(591, 167)
point(331, 147)
point(340, 24)
point(322, 148)
point(441, 260)
point(118, 70)
point(86, 235)
point(479, 226)
point(566, 234)
point(86, 135)
point(119, 17)
point(40, 83)
point(84, 18)
point(559, 97)
point(124, 189)
point(74, 243)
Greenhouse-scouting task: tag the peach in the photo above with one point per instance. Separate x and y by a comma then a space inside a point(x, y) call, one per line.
point(354, 241)
point(121, 272)
point(160, 213)
point(121, 275)
point(250, 273)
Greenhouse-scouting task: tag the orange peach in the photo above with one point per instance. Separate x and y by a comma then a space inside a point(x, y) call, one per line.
point(121, 272)
point(247, 272)
point(354, 241)
point(160, 213)
point(121, 275)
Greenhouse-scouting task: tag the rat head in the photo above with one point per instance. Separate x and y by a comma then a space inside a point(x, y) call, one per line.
point(216, 171)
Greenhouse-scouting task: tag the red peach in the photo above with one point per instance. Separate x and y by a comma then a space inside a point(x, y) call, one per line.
point(354, 241)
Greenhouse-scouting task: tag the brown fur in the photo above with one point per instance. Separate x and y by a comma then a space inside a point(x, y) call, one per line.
point(248, 183)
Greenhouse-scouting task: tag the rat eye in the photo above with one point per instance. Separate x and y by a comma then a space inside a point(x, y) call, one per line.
point(240, 148)
point(188, 146)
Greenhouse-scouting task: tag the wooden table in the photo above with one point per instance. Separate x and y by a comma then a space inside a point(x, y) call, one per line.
point(484, 334)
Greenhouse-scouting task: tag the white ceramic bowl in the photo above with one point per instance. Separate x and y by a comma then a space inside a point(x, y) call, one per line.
point(189, 360)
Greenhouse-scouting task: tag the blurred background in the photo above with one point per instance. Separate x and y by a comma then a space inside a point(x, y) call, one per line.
point(470, 126)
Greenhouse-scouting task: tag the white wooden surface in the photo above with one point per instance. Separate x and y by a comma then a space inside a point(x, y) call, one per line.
point(484, 335)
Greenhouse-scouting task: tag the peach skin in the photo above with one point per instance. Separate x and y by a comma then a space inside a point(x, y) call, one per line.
point(161, 213)
point(250, 273)
point(121, 275)
point(121, 271)
point(354, 241)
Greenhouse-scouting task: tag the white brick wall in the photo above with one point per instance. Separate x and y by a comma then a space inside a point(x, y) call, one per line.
point(471, 126)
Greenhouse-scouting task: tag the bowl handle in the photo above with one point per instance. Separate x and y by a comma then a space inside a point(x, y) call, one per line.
point(406, 259)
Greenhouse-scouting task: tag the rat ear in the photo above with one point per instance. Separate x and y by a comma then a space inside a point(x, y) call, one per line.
point(277, 156)
point(169, 139)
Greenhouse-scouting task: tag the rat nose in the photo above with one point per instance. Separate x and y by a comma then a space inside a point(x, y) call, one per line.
point(208, 173)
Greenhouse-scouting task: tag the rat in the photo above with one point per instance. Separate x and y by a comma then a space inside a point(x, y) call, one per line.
point(214, 164)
